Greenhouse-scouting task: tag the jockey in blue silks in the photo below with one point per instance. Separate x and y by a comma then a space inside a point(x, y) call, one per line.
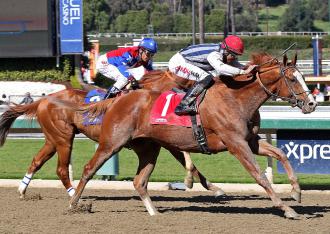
point(114, 64)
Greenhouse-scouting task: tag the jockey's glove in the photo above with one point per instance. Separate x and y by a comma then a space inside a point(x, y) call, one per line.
point(134, 82)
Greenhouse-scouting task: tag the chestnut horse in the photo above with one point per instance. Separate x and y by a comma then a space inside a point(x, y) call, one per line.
point(60, 127)
point(226, 114)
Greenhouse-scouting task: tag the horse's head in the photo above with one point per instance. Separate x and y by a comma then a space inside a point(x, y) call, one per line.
point(287, 83)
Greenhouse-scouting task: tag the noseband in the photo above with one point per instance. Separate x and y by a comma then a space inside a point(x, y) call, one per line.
point(293, 99)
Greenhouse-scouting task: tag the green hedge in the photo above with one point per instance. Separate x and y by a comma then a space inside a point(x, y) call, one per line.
point(36, 69)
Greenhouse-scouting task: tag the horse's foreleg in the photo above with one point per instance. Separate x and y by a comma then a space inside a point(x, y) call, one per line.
point(243, 153)
point(64, 155)
point(102, 154)
point(44, 154)
point(185, 159)
point(147, 153)
point(266, 149)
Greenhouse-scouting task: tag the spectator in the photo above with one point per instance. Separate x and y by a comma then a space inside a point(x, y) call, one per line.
point(3, 102)
point(27, 99)
point(319, 96)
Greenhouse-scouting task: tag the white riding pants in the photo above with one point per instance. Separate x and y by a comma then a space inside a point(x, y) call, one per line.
point(110, 71)
point(179, 66)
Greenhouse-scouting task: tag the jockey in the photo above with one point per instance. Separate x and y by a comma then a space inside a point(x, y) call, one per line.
point(114, 64)
point(196, 62)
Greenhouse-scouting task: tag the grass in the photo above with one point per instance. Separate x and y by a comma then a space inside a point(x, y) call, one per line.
point(273, 17)
point(16, 155)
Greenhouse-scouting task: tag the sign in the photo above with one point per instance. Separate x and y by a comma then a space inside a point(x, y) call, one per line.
point(26, 29)
point(71, 26)
point(307, 150)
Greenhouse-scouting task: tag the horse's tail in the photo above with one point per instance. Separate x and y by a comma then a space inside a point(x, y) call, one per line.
point(10, 115)
point(93, 109)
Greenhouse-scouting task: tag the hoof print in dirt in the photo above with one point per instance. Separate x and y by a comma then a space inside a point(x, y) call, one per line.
point(32, 197)
point(80, 208)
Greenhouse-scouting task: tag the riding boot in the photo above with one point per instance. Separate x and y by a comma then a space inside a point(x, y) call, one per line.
point(186, 105)
point(112, 92)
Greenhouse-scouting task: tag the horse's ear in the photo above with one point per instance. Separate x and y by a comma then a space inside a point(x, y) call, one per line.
point(294, 61)
point(285, 59)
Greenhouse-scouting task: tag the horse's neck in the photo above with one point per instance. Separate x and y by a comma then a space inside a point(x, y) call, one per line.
point(164, 81)
point(251, 96)
point(256, 95)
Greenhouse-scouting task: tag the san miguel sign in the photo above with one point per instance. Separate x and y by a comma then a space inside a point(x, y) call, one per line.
point(71, 26)
point(307, 150)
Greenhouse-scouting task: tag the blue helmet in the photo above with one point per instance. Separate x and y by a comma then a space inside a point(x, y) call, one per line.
point(149, 44)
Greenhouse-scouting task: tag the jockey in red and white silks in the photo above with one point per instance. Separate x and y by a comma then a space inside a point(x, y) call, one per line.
point(202, 63)
point(115, 64)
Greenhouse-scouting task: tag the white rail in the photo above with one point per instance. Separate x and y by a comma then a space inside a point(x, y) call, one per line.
point(189, 34)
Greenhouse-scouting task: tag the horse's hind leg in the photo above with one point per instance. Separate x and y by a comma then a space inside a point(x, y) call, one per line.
point(44, 154)
point(266, 149)
point(147, 153)
point(185, 159)
point(64, 155)
point(243, 153)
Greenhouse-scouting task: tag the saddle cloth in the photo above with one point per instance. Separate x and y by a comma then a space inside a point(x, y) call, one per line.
point(94, 95)
point(163, 111)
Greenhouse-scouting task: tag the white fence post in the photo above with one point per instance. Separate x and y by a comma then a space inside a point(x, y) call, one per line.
point(269, 169)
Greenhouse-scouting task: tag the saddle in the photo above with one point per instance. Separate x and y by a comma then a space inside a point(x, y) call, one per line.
point(163, 113)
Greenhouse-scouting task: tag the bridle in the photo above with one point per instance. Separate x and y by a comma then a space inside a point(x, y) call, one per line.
point(293, 99)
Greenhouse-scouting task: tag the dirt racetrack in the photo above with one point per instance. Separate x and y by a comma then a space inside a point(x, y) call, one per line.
point(113, 211)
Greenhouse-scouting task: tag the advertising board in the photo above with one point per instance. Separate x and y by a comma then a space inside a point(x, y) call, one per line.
point(307, 150)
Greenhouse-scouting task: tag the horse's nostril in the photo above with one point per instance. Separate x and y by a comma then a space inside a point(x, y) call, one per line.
point(312, 103)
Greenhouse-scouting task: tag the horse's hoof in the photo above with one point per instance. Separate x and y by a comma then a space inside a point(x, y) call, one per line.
point(154, 213)
point(189, 182)
point(219, 193)
point(21, 196)
point(296, 195)
point(73, 204)
point(291, 214)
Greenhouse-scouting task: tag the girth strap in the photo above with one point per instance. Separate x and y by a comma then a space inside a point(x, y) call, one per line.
point(199, 135)
point(198, 129)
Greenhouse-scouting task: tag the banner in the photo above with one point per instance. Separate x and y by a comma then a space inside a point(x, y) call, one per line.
point(71, 27)
point(307, 150)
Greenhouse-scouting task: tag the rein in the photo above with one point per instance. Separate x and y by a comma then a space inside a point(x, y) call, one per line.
point(294, 96)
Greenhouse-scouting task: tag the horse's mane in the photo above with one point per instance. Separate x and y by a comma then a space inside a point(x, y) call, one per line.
point(151, 76)
point(261, 58)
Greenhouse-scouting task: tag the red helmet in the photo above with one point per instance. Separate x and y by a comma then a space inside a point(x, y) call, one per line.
point(234, 44)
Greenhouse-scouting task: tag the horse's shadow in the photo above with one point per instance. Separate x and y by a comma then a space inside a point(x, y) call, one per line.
point(219, 202)
point(307, 212)
point(193, 199)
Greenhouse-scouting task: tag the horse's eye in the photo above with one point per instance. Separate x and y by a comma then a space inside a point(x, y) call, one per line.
point(294, 80)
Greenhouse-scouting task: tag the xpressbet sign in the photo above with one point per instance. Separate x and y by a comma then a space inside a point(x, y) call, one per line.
point(308, 151)
point(71, 26)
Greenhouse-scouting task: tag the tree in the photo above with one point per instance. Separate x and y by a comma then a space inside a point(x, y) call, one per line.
point(275, 2)
point(319, 8)
point(96, 15)
point(138, 21)
point(182, 23)
point(161, 19)
point(133, 22)
point(246, 22)
point(298, 17)
point(215, 21)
